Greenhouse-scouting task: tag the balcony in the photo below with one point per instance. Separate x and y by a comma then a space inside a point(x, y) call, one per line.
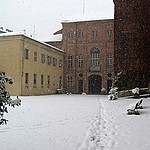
point(95, 68)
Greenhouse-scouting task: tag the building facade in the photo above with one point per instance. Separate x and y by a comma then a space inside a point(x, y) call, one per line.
point(132, 42)
point(36, 67)
point(88, 61)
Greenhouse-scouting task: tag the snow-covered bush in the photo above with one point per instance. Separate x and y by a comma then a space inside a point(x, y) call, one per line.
point(83, 93)
point(113, 93)
point(103, 91)
point(5, 99)
point(136, 92)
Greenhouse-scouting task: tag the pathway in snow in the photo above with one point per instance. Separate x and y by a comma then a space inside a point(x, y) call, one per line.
point(100, 135)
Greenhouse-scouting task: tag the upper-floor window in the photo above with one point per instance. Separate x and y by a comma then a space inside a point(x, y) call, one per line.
point(94, 33)
point(43, 58)
point(109, 32)
point(80, 61)
point(109, 60)
point(70, 34)
point(60, 63)
point(80, 34)
point(49, 60)
point(26, 54)
point(54, 61)
point(70, 61)
point(35, 56)
point(94, 57)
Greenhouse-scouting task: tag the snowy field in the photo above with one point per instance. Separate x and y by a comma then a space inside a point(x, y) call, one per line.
point(75, 122)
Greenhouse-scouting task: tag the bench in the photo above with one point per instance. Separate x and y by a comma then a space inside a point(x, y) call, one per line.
point(139, 104)
point(133, 108)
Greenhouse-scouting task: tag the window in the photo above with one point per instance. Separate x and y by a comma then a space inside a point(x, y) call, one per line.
point(42, 58)
point(94, 33)
point(80, 61)
point(49, 60)
point(109, 60)
point(94, 57)
point(60, 82)
point(80, 74)
point(48, 81)
point(26, 54)
point(54, 61)
point(34, 79)
point(70, 34)
point(80, 34)
point(35, 56)
point(69, 81)
point(42, 81)
point(109, 32)
point(69, 61)
point(26, 78)
point(60, 63)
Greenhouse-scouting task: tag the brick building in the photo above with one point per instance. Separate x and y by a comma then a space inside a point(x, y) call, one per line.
point(132, 42)
point(88, 61)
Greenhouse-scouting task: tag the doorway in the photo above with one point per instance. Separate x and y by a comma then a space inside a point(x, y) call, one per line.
point(94, 84)
point(80, 86)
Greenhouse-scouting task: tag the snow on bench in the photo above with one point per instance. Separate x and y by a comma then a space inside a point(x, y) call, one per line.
point(133, 108)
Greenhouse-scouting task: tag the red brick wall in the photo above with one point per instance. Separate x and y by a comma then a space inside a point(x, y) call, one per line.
point(76, 46)
point(132, 42)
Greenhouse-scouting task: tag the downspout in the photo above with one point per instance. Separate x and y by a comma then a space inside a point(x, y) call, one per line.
point(22, 60)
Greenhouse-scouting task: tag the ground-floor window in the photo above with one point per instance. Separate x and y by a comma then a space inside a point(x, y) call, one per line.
point(42, 81)
point(34, 79)
point(48, 81)
point(26, 78)
point(69, 81)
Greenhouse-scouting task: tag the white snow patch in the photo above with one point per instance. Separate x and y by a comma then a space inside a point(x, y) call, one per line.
point(76, 122)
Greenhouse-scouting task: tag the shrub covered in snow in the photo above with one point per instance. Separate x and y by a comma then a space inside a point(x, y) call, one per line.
point(136, 92)
point(103, 91)
point(113, 93)
point(5, 99)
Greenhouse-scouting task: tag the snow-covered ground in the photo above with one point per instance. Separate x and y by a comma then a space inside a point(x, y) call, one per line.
point(75, 122)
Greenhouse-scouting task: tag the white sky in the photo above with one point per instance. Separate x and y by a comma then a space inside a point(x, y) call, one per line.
point(41, 18)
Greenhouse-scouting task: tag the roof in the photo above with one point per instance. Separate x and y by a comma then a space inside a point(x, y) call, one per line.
point(90, 17)
point(58, 32)
point(18, 34)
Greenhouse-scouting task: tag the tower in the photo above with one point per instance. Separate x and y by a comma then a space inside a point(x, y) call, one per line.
point(132, 42)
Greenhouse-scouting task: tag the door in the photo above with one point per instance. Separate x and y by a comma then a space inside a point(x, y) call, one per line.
point(80, 86)
point(94, 84)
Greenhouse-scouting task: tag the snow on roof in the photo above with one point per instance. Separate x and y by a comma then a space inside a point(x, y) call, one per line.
point(19, 34)
point(89, 17)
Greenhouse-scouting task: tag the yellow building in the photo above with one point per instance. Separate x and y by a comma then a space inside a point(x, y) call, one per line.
point(36, 67)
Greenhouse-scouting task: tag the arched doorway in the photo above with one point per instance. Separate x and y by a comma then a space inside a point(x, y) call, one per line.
point(94, 84)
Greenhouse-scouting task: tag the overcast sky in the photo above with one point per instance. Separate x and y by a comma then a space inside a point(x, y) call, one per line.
point(41, 18)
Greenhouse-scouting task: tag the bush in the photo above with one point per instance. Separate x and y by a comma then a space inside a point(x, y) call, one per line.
point(136, 92)
point(5, 99)
point(113, 93)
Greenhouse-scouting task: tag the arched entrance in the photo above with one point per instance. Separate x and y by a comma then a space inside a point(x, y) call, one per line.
point(94, 84)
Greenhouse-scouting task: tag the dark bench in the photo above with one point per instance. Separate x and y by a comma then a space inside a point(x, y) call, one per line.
point(139, 104)
point(133, 108)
